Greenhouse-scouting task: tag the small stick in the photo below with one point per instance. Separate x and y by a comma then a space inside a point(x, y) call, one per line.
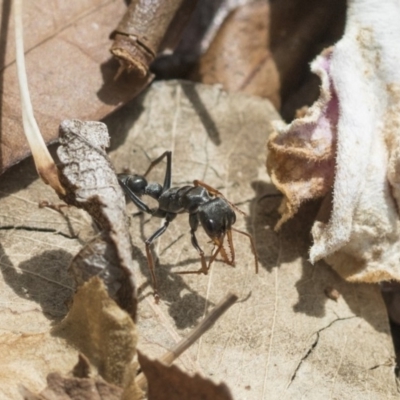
point(170, 356)
point(44, 163)
point(147, 28)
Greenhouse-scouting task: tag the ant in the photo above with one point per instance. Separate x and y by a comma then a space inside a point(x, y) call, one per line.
point(205, 205)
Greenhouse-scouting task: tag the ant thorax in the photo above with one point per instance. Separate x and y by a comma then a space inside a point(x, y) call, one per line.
point(154, 190)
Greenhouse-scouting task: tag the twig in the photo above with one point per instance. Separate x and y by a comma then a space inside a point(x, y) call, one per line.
point(45, 165)
point(170, 356)
point(147, 28)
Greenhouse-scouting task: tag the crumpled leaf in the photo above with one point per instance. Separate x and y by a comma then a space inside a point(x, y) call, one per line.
point(169, 382)
point(349, 140)
point(101, 331)
point(74, 35)
point(89, 178)
point(239, 57)
point(301, 156)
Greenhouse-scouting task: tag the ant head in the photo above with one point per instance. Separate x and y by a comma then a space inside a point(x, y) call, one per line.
point(136, 183)
point(216, 217)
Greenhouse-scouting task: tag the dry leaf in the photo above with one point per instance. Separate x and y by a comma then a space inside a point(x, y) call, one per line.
point(283, 339)
point(73, 35)
point(169, 382)
point(301, 156)
point(90, 181)
point(351, 147)
point(239, 56)
point(101, 331)
point(36, 247)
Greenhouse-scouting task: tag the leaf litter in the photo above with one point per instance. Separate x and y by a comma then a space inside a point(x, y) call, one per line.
point(274, 325)
point(316, 322)
point(86, 179)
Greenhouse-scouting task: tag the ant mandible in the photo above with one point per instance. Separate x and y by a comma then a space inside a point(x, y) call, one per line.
point(205, 205)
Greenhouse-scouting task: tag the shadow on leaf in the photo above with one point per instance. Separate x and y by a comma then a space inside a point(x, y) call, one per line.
point(43, 279)
point(293, 241)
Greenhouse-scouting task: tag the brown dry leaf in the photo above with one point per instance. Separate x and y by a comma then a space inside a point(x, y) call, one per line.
point(169, 382)
point(283, 339)
point(301, 162)
point(239, 57)
point(70, 70)
point(100, 330)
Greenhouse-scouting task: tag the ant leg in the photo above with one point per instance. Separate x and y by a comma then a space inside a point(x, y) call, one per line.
point(167, 178)
point(204, 268)
point(253, 246)
point(213, 191)
point(231, 248)
point(221, 249)
point(217, 193)
point(150, 260)
point(135, 199)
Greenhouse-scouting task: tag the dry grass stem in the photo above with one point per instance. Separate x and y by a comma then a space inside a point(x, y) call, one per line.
point(45, 165)
point(170, 356)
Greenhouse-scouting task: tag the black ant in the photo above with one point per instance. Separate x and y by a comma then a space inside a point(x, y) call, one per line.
point(204, 204)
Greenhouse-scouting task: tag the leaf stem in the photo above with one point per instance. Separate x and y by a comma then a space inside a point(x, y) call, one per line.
point(45, 164)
